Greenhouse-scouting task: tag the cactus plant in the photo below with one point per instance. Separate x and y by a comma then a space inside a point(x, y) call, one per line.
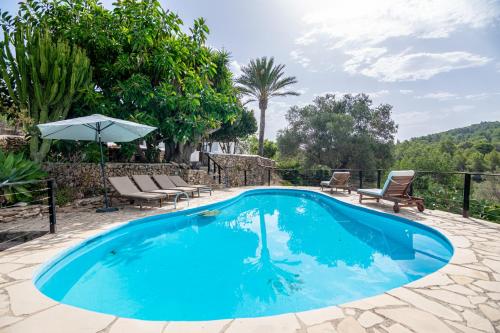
point(43, 77)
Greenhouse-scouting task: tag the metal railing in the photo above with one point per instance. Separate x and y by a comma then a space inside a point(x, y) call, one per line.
point(27, 211)
point(474, 194)
point(213, 167)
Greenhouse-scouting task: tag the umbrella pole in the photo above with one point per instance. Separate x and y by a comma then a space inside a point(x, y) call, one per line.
point(106, 207)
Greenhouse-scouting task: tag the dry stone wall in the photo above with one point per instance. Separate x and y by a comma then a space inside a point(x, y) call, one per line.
point(85, 178)
point(84, 181)
point(235, 167)
point(12, 143)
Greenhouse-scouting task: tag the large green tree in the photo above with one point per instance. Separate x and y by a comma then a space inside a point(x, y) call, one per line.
point(44, 78)
point(339, 133)
point(261, 80)
point(146, 68)
point(231, 133)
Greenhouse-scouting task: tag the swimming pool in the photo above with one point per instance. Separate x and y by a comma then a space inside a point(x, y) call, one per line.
point(264, 252)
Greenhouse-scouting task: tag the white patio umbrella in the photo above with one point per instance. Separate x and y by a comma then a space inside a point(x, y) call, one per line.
point(96, 128)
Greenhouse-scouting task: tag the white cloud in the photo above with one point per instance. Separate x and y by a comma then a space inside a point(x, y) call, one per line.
point(359, 28)
point(415, 66)
point(377, 94)
point(302, 91)
point(481, 96)
point(299, 58)
point(372, 94)
point(406, 91)
point(441, 96)
point(448, 96)
point(235, 68)
point(362, 57)
point(369, 23)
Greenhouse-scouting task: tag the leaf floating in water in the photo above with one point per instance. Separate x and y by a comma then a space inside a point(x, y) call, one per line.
point(210, 213)
point(113, 252)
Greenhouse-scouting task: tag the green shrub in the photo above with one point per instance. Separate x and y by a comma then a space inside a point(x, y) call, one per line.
point(65, 195)
point(16, 168)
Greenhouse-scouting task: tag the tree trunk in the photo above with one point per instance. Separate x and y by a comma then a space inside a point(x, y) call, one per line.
point(39, 148)
point(262, 107)
point(179, 152)
point(140, 156)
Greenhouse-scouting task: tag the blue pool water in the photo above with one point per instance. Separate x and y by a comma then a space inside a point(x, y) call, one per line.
point(265, 252)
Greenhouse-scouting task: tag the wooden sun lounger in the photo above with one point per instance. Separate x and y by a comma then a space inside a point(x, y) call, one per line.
point(340, 179)
point(178, 181)
point(127, 189)
point(396, 189)
point(166, 184)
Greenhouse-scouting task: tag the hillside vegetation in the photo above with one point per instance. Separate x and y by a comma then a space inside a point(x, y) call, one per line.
point(473, 148)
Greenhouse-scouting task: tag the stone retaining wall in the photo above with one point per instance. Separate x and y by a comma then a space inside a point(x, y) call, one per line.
point(12, 143)
point(234, 166)
point(85, 178)
point(81, 182)
point(23, 212)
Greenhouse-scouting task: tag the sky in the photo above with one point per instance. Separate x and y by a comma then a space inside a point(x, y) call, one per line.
point(437, 62)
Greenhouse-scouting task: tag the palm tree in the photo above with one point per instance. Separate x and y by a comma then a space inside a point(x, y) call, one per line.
point(261, 80)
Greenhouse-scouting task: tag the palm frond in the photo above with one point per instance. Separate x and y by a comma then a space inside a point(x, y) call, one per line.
point(262, 78)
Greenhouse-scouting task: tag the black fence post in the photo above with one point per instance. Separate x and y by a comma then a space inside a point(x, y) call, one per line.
point(269, 177)
point(52, 206)
point(245, 173)
point(466, 203)
point(379, 177)
point(360, 178)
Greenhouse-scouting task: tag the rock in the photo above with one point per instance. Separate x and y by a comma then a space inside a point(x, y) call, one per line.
point(475, 321)
point(369, 319)
point(350, 325)
point(418, 321)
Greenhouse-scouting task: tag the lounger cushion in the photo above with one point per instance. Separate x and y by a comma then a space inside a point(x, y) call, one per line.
point(145, 183)
point(371, 191)
point(126, 188)
point(179, 182)
point(166, 191)
point(398, 173)
point(144, 195)
point(166, 184)
point(325, 183)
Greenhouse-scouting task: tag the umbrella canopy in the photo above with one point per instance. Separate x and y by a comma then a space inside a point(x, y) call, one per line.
point(97, 128)
point(87, 128)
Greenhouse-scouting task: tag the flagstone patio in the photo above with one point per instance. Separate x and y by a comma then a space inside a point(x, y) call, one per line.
point(464, 296)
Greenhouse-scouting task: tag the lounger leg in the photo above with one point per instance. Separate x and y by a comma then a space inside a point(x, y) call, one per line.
point(361, 198)
point(160, 202)
point(378, 200)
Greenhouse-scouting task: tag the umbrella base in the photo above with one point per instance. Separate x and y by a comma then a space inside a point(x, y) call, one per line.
point(106, 210)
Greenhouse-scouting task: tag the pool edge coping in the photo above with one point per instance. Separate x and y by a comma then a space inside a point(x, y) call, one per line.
point(320, 313)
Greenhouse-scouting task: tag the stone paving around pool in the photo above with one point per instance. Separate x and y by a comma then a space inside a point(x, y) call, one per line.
point(464, 296)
